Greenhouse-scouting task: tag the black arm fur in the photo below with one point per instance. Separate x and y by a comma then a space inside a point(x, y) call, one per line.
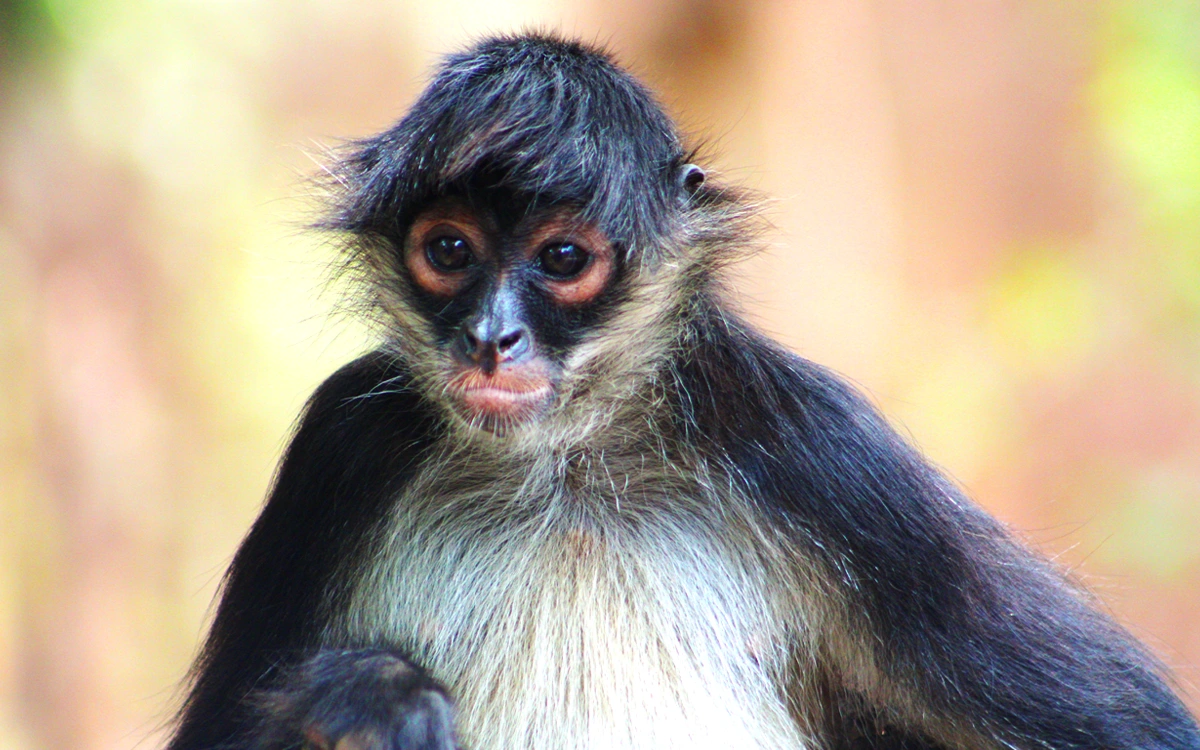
point(964, 615)
point(361, 434)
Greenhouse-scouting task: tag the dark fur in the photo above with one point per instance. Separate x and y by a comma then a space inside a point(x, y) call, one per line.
point(971, 620)
point(337, 694)
point(974, 636)
point(541, 117)
point(361, 436)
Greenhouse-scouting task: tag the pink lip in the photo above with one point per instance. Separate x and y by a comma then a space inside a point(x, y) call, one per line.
point(503, 401)
point(504, 396)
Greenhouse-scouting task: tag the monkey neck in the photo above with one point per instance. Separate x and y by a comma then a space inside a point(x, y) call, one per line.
point(558, 569)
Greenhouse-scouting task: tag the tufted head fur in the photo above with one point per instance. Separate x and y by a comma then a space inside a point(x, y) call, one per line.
point(534, 122)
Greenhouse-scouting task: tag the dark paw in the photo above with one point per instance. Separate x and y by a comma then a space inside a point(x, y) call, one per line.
point(356, 700)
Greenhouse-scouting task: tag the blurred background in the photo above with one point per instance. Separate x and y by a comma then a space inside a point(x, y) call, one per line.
point(987, 215)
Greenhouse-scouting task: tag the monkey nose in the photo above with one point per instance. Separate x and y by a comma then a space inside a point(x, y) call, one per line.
point(487, 349)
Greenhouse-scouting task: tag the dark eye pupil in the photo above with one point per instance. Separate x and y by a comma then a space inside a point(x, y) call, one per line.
point(563, 260)
point(448, 253)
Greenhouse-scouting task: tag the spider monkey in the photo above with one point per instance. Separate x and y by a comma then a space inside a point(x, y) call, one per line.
point(573, 500)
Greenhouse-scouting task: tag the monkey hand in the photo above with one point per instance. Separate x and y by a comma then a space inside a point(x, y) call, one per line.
point(355, 700)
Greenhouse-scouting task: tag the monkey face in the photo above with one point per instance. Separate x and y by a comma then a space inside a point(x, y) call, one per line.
point(507, 299)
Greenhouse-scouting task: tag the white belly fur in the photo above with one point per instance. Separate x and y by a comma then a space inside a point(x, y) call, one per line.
point(583, 618)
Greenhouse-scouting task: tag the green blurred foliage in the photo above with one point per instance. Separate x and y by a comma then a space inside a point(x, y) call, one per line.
point(25, 30)
point(1044, 310)
point(1146, 95)
point(1158, 523)
point(1146, 99)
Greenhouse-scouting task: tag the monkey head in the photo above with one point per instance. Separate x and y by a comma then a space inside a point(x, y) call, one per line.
point(507, 296)
point(525, 228)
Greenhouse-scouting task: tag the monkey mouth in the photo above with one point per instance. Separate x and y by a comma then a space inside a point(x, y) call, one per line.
point(498, 400)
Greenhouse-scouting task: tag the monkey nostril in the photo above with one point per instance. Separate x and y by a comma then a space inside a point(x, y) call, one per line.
point(508, 343)
point(470, 344)
point(481, 347)
point(513, 345)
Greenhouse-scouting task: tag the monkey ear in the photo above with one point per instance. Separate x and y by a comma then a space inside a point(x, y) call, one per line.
point(691, 177)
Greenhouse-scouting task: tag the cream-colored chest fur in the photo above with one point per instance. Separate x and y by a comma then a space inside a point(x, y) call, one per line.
point(584, 602)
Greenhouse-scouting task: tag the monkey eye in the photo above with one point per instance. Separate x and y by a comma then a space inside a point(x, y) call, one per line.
point(562, 260)
point(449, 253)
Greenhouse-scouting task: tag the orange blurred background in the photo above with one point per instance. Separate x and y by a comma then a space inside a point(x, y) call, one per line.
point(987, 215)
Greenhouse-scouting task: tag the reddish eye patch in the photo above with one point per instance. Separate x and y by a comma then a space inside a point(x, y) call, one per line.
point(441, 246)
point(575, 259)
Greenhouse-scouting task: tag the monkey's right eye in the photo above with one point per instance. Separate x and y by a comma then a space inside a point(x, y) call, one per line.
point(449, 253)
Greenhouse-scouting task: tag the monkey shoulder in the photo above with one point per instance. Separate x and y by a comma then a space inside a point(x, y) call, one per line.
point(374, 392)
point(354, 448)
point(764, 408)
point(892, 530)
point(361, 435)
point(359, 441)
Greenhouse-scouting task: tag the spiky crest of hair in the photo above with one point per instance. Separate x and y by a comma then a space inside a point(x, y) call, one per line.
point(549, 118)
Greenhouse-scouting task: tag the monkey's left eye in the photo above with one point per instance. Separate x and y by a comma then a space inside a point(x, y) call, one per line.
point(449, 253)
point(563, 260)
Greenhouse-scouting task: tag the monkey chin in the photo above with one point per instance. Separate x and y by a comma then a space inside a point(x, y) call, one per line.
point(499, 401)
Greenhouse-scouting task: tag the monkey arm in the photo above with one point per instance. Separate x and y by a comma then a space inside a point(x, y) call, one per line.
point(361, 434)
point(354, 699)
point(962, 622)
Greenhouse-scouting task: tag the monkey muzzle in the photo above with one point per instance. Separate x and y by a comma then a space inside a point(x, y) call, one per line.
point(501, 397)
